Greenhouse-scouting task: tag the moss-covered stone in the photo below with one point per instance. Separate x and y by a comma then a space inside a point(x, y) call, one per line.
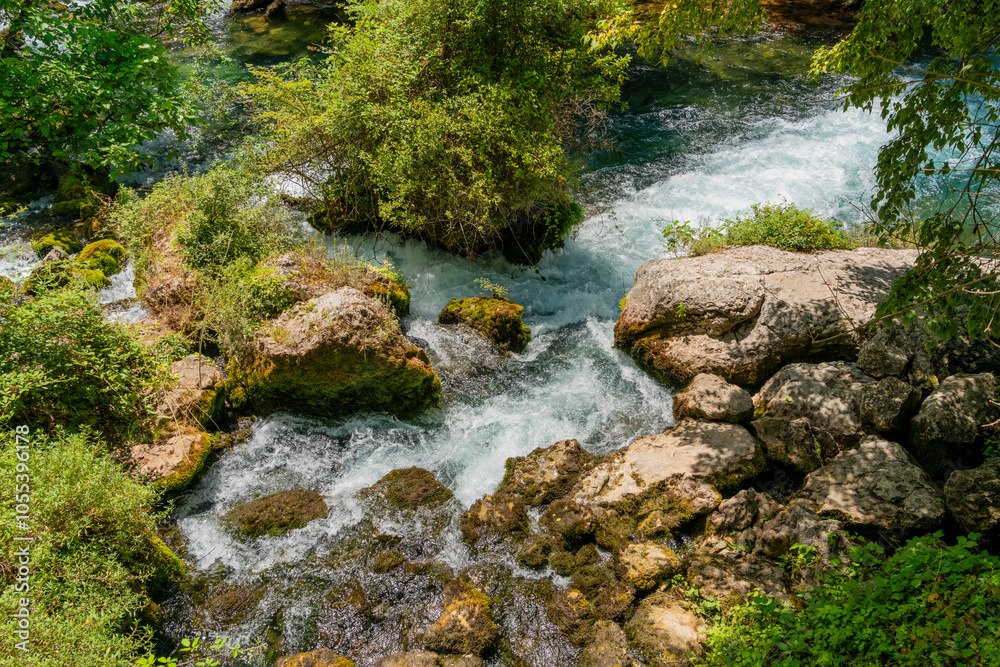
point(387, 561)
point(498, 319)
point(535, 552)
point(566, 563)
point(61, 274)
point(546, 474)
point(75, 208)
point(573, 614)
point(62, 238)
point(390, 291)
point(498, 514)
point(277, 513)
point(7, 286)
point(466, 626)
point(409, 488)
point(173, 461)
point(166, 567)
point(233, 607)
point(106, 256)
point(335, 354)
point(321, 657)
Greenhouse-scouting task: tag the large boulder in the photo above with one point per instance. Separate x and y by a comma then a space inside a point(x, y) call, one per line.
point(710, 397)
point(875, 489)
point(723, 455)
point(196, 397)
point(277, 513)
point(497, 514)
point(799, 524)
point(546, 474)
point(666, 631)
point(738, 522)
point(172, 461)
point(886, 405)
point(466, 626)
point(644, 565)
point(808, 412)
point(334, 354)
point(496, 318)
point(744, 312)
point(949, 423)
point(973, 498)
point(572, 613)
point(731, 581)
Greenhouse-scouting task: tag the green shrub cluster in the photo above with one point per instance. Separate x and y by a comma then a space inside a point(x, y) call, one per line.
point(94, 551)
point(783, 225)
point(63, 364)
point(927, 604)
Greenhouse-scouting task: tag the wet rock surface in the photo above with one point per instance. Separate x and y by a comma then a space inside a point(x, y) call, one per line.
point(410, 488)
point(321, 657)
point(497, 318)
point(277, 513)
point(466, 626)
point(609, 647)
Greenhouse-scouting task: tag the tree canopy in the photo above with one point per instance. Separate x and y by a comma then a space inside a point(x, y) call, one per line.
point(931, 66)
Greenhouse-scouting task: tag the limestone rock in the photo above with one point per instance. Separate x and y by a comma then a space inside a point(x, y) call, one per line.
point(732, 581)
point(741, 512)
point(888, 403)
point(546, 474)
point(723, 455)
point(973, 498)
point(277, 513)
point(174, 460)
point(608, 649)
point(876, 489)
point(196, 398)
point(334, 354)
point(573, 614)
point(799, 524)
point(466, 626)
point(744, 312)
point(711, 397)
point(409, 488)
point(948, 424)
point(665, 631)
point(321, 657)
point(644, 565)
point(498, 514)
point(497, 318)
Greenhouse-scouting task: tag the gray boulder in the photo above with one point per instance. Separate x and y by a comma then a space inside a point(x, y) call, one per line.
point(732, 581)
point(710, 397)
point(665, 630)
point(888, 403)
point(973, 498)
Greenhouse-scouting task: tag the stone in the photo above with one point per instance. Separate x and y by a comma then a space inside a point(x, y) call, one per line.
point(173, 461)
point(731, 581)
point(321, 657)
point(196, 398)
point(887, 404)
point(666, 631)
point(875, 489)
point(973, 498)
point(645, 565)
point(723, 455)
point(409, 488)
point(888, 352)
point(276, 10)
point(950, 420)
point(232, 607)
point(244, 6)
point(795, 442)
point(741, 512)
point(535, 551)
point(63, 239)
point(496, 318)
point(498, 514)
point(332, 355)
point(277, 513)
point(799, 524)
point(744, 312)
point(7, 286)
point(56, 254)
point(609, 596)
point(546, 474)
point(466, 626)
point(609, 647)
point(409, 659)
point(572, 613)
point(566, 563)
point(106, 256)
point(710, 397)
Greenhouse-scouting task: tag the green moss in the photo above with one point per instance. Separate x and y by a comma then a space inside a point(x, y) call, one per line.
point(499, 320)
point(63, 238)
point(544, 228)
point(106, 256)
point(184, 474)
point(409, 488)
point(387, 560)
point(166, 568)
point(61, 274)
point(7, 286)
point(76, 208)
point(566, 563)
point(277, 513)
point(392, 292)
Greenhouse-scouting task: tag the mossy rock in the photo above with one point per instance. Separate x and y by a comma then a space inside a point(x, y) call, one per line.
point(76, 208)
point(173, 461)
point(277, 513)
point(566, 563)
point(390, 291)
point(499, 514)
point(321, 657)
point(61, 274)
point(466, 626)
point(7, 286)
point(62, 238)
point(106, 256)
point(232, 607)
point(387, 561)
point(165, 565)
point(410, 488)
point(498, 319)
point(7, 207)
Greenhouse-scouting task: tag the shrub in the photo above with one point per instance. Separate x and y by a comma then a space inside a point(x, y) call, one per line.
point(94, 552)
point(63, 364)
point(927, 604)
point(785, 226)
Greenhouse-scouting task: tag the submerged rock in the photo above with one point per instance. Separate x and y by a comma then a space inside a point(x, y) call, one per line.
point(335, 354)
point(173, 461)
point(876, 489)
point(744, 312)
point(321, 657)
point(410, 488)
point(609, 647)
point(710, 397)
point(196, 398)
point(546, 474)
point(665, 631)
point(949, 422)
point(498, 319)
point(973, 498)
point(277, 513)
point(466, 626)
point(573, 614)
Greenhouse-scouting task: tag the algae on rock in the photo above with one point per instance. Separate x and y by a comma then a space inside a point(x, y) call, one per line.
point(498, 319)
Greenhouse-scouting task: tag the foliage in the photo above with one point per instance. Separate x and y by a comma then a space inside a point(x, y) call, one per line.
point(497, 291)
point(199, 654)
point(945, 116)
point(784, 226)
point(94, 546)
point(63, 364)
point(927, 604)
point(89, 82)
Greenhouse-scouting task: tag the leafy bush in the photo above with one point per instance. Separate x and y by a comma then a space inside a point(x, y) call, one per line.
point(927, 604)
point(94, 552)
point(62, 363)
